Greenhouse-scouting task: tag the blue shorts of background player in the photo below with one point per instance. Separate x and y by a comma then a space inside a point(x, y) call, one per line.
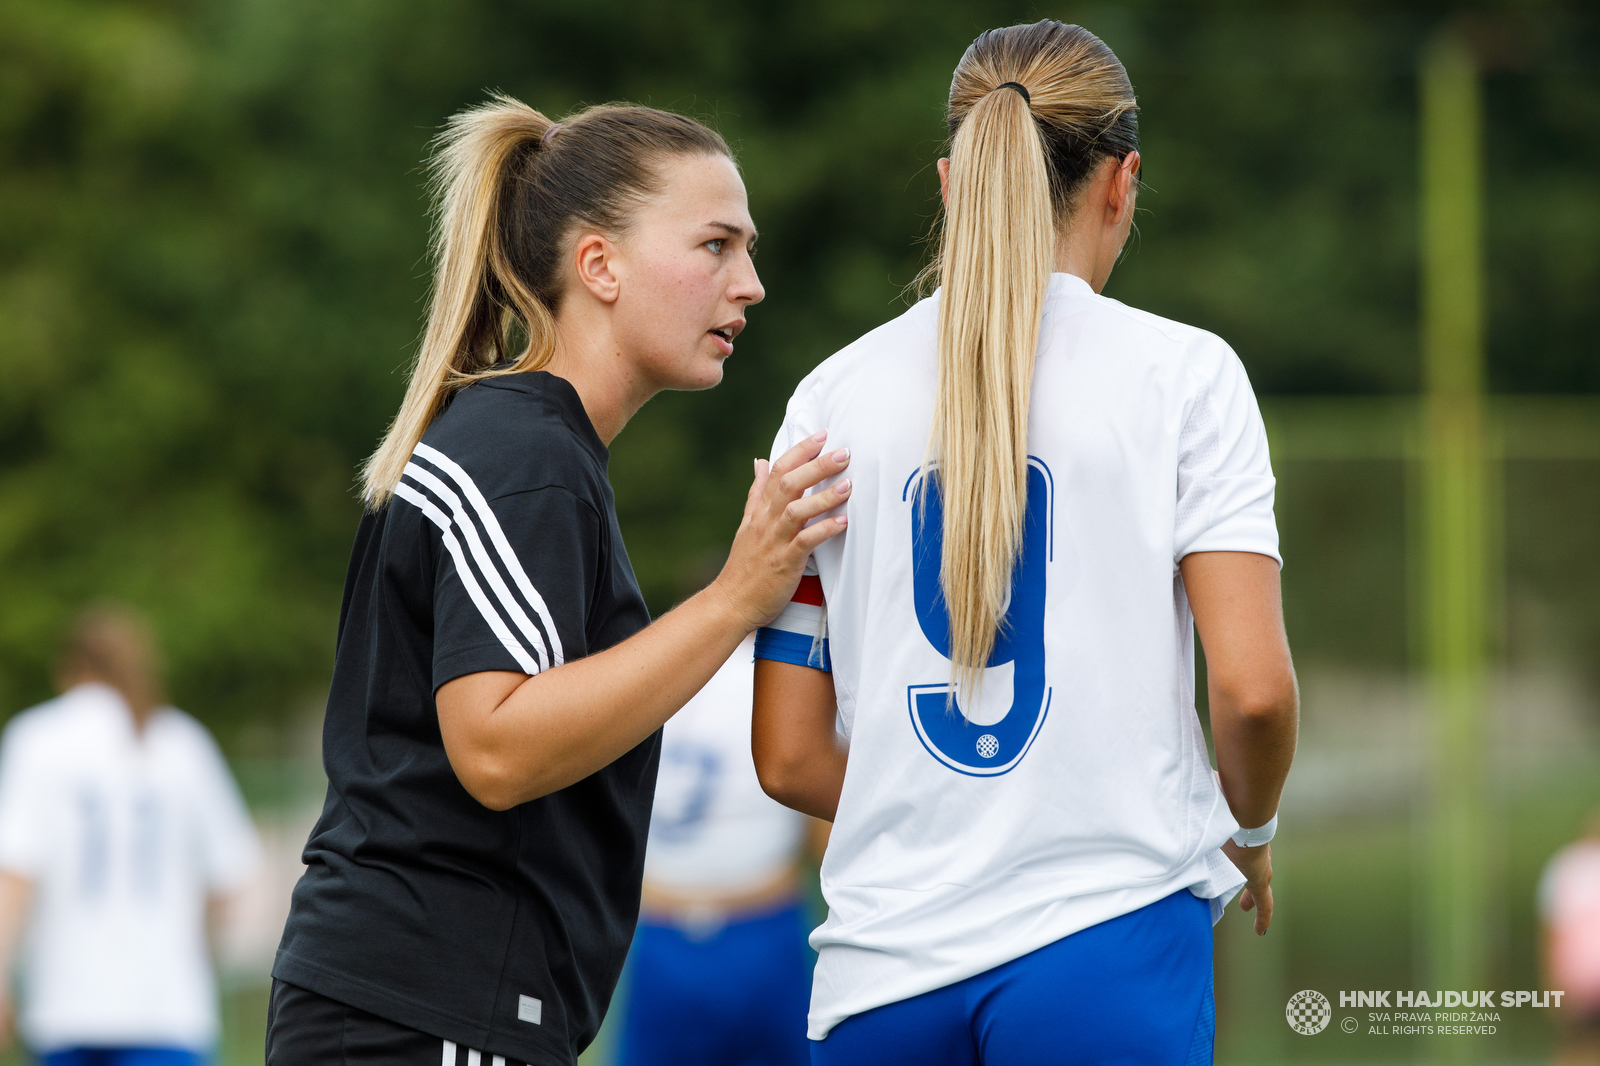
point(730, 996)
point(1134, 991)
point(124, 1056)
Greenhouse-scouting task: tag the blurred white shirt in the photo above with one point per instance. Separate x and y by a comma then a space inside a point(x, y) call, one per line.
point(124, 837)
point(712, 828)
point(1569, 902)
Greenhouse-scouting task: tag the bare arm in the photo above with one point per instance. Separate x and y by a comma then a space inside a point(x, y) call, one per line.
point(221, 909)
point(512, 738)
point(16, 898)
point(798, 755)
point(1255, 705)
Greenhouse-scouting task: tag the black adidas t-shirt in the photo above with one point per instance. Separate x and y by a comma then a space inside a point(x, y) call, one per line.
point(504, 931)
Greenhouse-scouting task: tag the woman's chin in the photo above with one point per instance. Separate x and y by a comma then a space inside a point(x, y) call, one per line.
point(705, 373)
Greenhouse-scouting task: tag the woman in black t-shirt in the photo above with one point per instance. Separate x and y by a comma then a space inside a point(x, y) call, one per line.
point(493, 723)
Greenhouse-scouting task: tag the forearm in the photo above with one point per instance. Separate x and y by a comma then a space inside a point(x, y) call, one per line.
point(799, 758)
point(811, 786)
point(558, 727)
point(1255, 745)
point(16, 897)
point(1255, 704)
point(512, 738)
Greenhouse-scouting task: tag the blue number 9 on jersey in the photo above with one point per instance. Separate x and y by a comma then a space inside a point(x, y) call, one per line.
point(940, 722)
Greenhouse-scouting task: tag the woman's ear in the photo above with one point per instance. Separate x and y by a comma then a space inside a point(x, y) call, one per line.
point(595, 259)
point(944, 182)
point(1124, 185)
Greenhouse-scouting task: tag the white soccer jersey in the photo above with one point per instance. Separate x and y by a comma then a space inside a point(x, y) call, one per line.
point(713, 829)
point(1569, 903)
point(124, 836)
point(1076, 787)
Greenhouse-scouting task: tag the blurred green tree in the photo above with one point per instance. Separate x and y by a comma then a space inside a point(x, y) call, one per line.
point(212, 256)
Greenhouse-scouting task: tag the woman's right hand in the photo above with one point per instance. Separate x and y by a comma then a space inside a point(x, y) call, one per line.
point(773, 543)
point(1256, 865)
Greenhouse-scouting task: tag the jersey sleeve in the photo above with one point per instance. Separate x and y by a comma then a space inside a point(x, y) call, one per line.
point(23, 825)
point(1225, 482)
point(799, 635)
point(515, 575)
point(230, 848)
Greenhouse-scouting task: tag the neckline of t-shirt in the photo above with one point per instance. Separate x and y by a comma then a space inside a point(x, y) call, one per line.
point(1061, 284)
point(104, 701)
point(560, 390)
point(1064, 283)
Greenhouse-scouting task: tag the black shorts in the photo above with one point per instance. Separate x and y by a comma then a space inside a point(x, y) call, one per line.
point(305, 1029)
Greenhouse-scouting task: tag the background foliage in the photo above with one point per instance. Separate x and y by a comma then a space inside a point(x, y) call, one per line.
point(212, 237)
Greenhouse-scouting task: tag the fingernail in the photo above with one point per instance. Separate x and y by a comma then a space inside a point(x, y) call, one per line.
point(820, 435)
point(842, 520)
point(842, 455)
point(757, 464)
point(842, 488)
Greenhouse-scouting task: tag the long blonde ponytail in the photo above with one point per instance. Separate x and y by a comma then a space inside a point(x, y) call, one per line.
point(466, 331)
point(1032, 110)
point(510, 186)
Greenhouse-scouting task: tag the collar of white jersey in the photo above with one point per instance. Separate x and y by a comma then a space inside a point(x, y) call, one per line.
point(1060, 285)
point(107, 704)
point(1068, 285)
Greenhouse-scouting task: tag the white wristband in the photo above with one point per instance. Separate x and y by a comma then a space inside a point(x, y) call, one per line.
point(1254, 838)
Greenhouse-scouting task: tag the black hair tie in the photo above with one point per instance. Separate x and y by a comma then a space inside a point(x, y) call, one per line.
point(1020, 88)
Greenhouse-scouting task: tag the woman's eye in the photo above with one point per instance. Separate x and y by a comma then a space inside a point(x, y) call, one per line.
point(716, 245)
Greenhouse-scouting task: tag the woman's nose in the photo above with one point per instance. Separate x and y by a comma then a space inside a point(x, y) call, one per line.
point(747, 285)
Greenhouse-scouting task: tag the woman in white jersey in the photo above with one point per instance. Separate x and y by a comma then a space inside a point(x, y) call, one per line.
point(720, 969)
point(1051, 490)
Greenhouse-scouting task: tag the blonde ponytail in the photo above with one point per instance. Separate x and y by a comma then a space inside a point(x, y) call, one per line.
point(473, 280)
point(1032, 110)
point(509, 188)
point(999, 242)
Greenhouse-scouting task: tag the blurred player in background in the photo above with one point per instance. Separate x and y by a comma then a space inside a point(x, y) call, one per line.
point(1569, 907)
point(121, 831)
point(721, 974)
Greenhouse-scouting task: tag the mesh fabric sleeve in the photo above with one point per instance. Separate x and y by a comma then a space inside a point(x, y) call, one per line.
point(1225, 482)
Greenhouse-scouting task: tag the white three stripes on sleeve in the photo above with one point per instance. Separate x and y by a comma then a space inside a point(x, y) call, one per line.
point(437, 517)
point(497, 535)
point(426, 491)
point(486, 566)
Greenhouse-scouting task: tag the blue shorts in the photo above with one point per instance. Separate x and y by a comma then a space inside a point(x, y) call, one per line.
point(123, 1056)
point(1134, 991)
point(734, 996)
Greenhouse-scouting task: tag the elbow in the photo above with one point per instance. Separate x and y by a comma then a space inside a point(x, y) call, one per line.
point(494, 796)
point(490, 783)
point(783, 779)
point(1267, 703)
